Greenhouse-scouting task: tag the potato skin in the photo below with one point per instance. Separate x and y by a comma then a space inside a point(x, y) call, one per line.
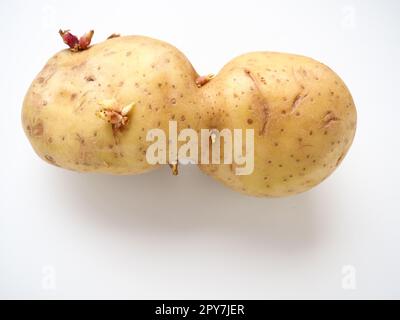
point(302, 113)
point(59, 110)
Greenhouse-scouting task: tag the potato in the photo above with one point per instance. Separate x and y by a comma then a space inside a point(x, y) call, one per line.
point(302, 114)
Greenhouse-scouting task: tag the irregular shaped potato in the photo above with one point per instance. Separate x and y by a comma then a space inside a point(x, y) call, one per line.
point(302, 113)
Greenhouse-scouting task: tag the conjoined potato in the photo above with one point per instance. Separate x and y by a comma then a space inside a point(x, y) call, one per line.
point(91, 111)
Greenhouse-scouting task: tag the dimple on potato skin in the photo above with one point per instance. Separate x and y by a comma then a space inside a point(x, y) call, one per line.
point(303, 115)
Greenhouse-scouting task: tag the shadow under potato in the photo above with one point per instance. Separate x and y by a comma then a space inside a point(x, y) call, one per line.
point(189, 204)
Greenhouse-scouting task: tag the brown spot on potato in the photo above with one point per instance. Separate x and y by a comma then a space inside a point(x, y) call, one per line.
point(329, 119)
point(51, 160)
point(264, 108)
point(298, 100)
point(265, 118)
point(79, 66)
point(80, 139)
point(339, 160)
point(37, 130)
point(90, 78)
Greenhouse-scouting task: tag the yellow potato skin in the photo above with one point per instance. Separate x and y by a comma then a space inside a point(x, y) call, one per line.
point(302, 113)
point(59, 110)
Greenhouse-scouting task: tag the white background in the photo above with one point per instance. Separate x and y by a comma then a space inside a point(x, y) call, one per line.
point(158, 236)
